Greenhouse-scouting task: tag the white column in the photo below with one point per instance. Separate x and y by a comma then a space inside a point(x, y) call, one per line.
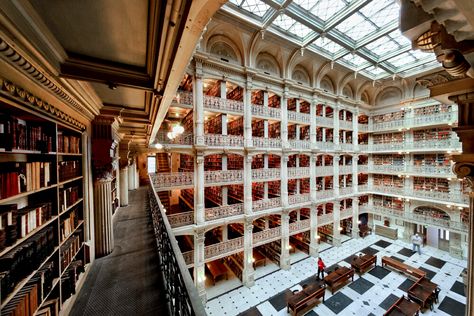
point(455, 249)
point(285, 263)
point(265, 184)
point(336, 124)
point(104, 233)
point(123, 186)
point(224, 188)
point(312, 177)
point(248, 113)
point(312, 126)
point(336, 238)
point(284, 119)
point(137, 175)
point(131, 176)
point(284, 179)
point(355, 217)
point(248, 275)
point(355, 130)
point(247, 184)
point(225, 232)
point(199, 206)
point(313, 233)
point(355, 173)
point(335, 179)
point(199, 270)
point(198, 106)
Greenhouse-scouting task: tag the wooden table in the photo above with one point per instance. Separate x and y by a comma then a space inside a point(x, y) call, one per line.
point(362, 264)
point(217, 270)
point(402, 267)
point(305, 300)
point(259, 259)
point(339, 278)
point(425, 292)
point(403, 307)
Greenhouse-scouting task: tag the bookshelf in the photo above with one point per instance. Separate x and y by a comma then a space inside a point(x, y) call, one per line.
point(213, 125)
point(274, 101)
point(236, 94)
point(186, 163)
point(213, 162)
point(291, 104)
point(258, 128)
point(257, 162)
point(42, 223)
point(274, 130)
point(257, 97)
point(236, 127)
point(431, 184)
point(432, 109)
point(304, 132)
point(432, 134)
point(235, 162)
point(304, 107)
point(431, 212)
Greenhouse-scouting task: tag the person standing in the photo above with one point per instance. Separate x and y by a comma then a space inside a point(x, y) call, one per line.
point(321, 267)
point(416, 241)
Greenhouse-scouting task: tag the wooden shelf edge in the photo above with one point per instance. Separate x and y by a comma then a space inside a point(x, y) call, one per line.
point(69, 303)
point(72, 233)
point(70, 207)
point(69, 154)
point(24, 151)
point(70, 180)
point(72, 259)
point(14, 197)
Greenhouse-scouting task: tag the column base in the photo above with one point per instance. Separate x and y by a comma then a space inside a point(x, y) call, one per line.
point(285, 263)
point(336, 242)
point(248, 277)
point(355, 233)
point(314, 250)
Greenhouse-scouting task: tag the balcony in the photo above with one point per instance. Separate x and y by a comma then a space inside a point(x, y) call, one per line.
point(179, 140)
point(362, 188)
point(346, 190)
point(299, 144)
point(325, 219)
point(215, 103)
point(345, 213)
point(324, 121)
point(347, 125)
point(224, 211)
point(399, 146)
point(363, 168)
point(325, 145)
point(346, 146)
point(299, 226)
point(267, 204)
point(299, 117)
point(171, 180)
point(298, 198)
point(444, 144)
point(298, 172)
point(222, 249)
point(262, 142)
point(223, 177)
point(388, 169)
point(435, 119)
point(345, 169)
point(265, 236)
point(389, 125)
point(266, 174)
point(389, 189)
point(218, 140)
point(432, 170)
point(363, 127)
point(363, 148)
point(184, 98)
point(323, 171)
point(324, 194)
point(181, 219)
point(266, 112)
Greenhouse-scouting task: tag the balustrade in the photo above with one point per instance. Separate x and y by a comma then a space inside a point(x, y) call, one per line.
point(183, 139)
point(325, 145)
point(223, 140)
point(223, 176)
point(268, 112)
point(188, 257)
point(363, 147)
point(298, 172)
point(346, 213)
point(363, 127)
point(345, 124)
point(432, 170)
point(346, 146)
point(262, 142)
point(216, 103)
point(298, 226)
point(346, 190)
point(325, 194)
point(224, 211)
point(266, 235)
point(362, 188)
point(389, 189)
point(389, 125)
point(171, 180)
point(323, 171)
point(181, 219)
point(267, 204)
point(325, 219)
point(388, 168)
point(363, 168)
point(434, 119)
point(299, 117)
point(325, 121)
point(395, 146)
point(266, 174)
point(184, 97)
point(299, 144)
point(224, 248)
point(345, 169)
point(298, 198)
point(445, 144)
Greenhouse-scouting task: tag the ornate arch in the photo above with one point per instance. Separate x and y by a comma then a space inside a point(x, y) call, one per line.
point(389, 95)
point(301, 75)
point(441, 211)
point(224, 47)
point(327, 84)
point(321, 72)
point(268, 63)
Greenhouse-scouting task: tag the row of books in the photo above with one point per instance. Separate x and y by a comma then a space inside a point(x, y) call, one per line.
point(19, 177)
point(68, 197)
point(69, 224)
point(69, 169)
point(69, 249)
point(68, 282)
point(27, 257)
point(68, 144)
point(19, 134)
point(30, 218)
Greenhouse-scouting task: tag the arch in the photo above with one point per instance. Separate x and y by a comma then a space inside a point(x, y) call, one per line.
point(327, 84)
point(420, 91)
point(224, 47)
point(364, 97)
point(300, 74)
point(362, 88)
point(437, 211)
point(268, 63)
point(321, 72)
point(343, 83)
point(389, 95)
point(347, 91)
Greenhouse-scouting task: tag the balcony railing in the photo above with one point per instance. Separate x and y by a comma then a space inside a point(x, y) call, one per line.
point(389, 189)
point(363, 168)
point(299, 117)
point(170, 180)
point(265, 111)
point(325, 145)
point(224, 248)
point(223, 176)
point(345, 124)
point(363, 127)
point(218, 140)
point(184, 97)
point(267, 204)
point(323, 171)
point(445, 144)
point(346, 146)
point(435, 119)
point(346, 190)
point(262, 142)
point(181, 219)
point(325, 219)
point(299, 144)
point(265, 174)
point(388, 168)
point(183, 139)
point(224, 211)
point(389, 125)
point(181, 295)
point(363, 147)
point(362, 188)
point(299, 198)
point(345, 169)
point(395, 146)
point(298, 172)
point(324, 194)
point(346, 213)
point(325, 121)
point(215, 103)
point(432, 170)
point(188, 257)
point(298, 226)
point(266, 235)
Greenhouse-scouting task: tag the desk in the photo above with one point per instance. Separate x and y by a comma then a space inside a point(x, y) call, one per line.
point(339, 278)
point(217, 270)
point(403, 307)
point(420, 295)
point(402, 267)
point(362, 264)
point(305, 300)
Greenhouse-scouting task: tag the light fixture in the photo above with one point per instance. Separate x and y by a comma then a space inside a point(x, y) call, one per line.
point(178, 129)
point(171, 135)
point(158, 146)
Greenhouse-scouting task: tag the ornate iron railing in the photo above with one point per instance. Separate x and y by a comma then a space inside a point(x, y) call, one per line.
point(345, 124)
point(267, 204)
point(326, 121)
point(298, 198)
point(324, 171)
point(262, 142)
point(299, 144)
point(223, 104)
point(298, 172)
point(224, 211)
point(265, 174)
point(299, 117)
point(265, 111)
point(218, 140)
point(171, 180)
point(181, 219)
point(223, 176)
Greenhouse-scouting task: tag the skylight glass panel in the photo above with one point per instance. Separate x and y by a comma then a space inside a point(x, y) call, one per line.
point(325, 9)
point(425, 67)
point(328, 45)
point(256, 7)
point(399, 38)
point(284, 22)
point(374, 7)
point(236, 2)
point(375, 71)
point(386, 15)
point(354, 60)
point(402, 59)
point(356, 27)
point(382, 46)
point(418, 54)
point(299, 30)
point(305, 4)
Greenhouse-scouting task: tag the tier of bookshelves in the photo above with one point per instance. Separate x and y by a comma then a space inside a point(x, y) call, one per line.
point(41, 211)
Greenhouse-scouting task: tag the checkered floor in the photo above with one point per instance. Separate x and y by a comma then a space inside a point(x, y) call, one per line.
point(371, 294)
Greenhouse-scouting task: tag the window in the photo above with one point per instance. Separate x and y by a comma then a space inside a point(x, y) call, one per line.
point(151, 164)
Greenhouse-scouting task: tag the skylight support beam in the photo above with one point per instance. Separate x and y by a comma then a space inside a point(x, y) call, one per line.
point(389, 28)
point(345, 13)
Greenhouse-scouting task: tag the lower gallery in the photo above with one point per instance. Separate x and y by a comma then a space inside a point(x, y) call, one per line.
point(200, 157)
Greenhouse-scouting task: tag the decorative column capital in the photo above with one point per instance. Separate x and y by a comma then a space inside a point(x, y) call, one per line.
point(199, 235)
point(200, 158)
point(285, 157)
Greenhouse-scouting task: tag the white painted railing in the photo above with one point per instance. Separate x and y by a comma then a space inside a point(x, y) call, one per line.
point(258, 110)
point(362, 188)
point(299, 117)
point(265, 174)
point(432, 170)
point(325, 219)
point(447, 144)
point(298, 198)
point(325, 121)
point(323, 171)
point(188, 257)
point(346, 213)
point(267, 204)
point(388, 189)
point(400, 146)
point(224, 211)
point(363, 127)
point(345, 124)
point(218, 140)
point(181, 219)
point(266, 235)
point(299, 226)
point(262, 142)
point(215, 103)
point(325, 194)
point(363, 147)
point(184, 97)
point(346, 146)
point(223, 176)
point(183, 139)
point(388, 168)
point(170, 180)
point(389, 125)
point(434, 119)
point(298, 172)
point(388, 210)
point(222, 248)
point(325, 145)
point(346, 190)
point(363, 168)
point(345, 169)
point(299, 144)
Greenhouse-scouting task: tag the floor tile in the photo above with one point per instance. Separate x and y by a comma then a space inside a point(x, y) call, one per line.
point(397, 258)
point(406, 285)
point(361, 285)
point(386, 303)
point(435, 262)
point(280, 300)
point(458, 287)
point(429, 273)
point(452, 307)
point(251, 312)
point(379, 272)
point(383, 243)
point(406, 252)
point(369, 251)
point(338, 302)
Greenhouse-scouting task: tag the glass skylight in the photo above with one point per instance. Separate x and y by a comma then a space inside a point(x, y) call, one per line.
point(345, 30)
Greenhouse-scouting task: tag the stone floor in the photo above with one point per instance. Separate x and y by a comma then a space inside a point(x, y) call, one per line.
point(371, 294)
point(127, 281)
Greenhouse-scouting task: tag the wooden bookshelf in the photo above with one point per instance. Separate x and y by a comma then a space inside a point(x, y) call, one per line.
point(393, 116)
point(274, 101)
point(257, 97)
point(42, 219)
point(186, 163)
point(236, 127)
point(236, 94)
point(431, 212)
point(213, 162)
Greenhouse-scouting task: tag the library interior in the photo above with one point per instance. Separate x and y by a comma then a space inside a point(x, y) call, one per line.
point(214, 157)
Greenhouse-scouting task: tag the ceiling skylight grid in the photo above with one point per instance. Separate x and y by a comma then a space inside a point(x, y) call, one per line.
point(348, 25)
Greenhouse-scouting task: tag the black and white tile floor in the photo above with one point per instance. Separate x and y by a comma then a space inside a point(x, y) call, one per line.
point(371, 294)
